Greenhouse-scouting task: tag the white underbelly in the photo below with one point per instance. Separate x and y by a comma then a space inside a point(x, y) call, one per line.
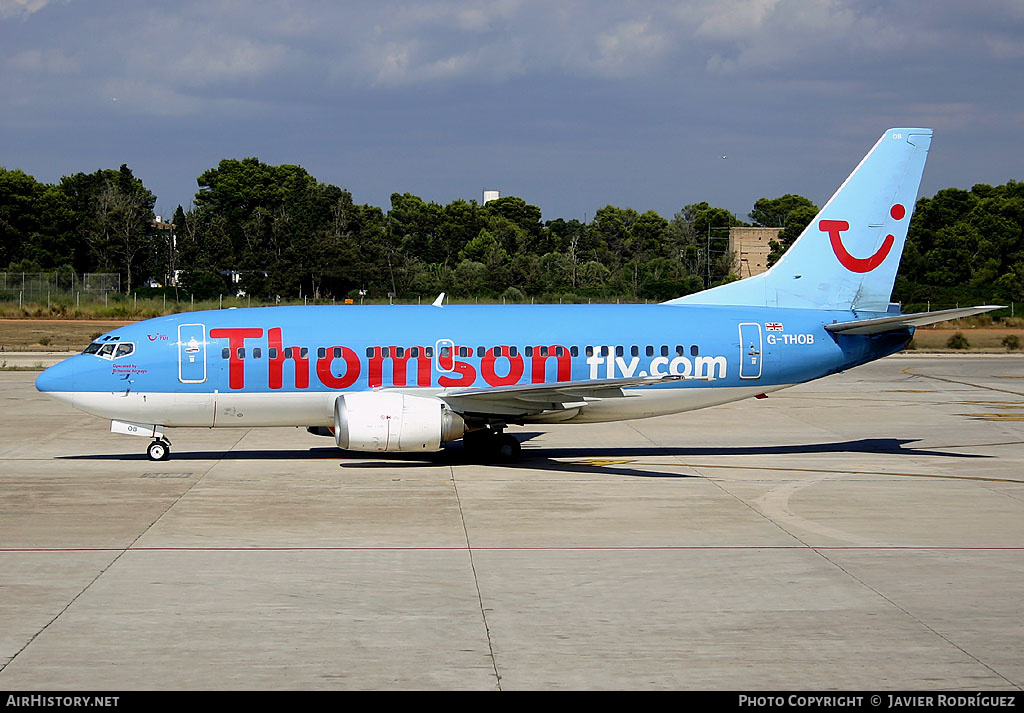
point(244, 410)
point(647, 403)
point(212, 410)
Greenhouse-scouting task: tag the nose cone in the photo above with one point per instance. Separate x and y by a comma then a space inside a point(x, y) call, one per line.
point(59, 380)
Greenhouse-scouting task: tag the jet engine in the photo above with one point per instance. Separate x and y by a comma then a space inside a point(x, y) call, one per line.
point(394, 422)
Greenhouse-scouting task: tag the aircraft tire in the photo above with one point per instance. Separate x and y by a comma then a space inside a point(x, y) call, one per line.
point(158, 450)
point(507, 448)
point(487, 446)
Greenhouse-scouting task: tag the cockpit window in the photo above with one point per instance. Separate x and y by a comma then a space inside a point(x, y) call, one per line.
point(110, 350)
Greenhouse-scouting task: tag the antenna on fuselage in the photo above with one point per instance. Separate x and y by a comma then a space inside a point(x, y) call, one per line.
point(439, 302)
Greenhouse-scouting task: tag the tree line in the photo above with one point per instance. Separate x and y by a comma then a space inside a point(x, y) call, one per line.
point(275, 231)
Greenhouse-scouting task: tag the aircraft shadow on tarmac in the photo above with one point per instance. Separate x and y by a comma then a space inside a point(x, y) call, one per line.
point(591, 460)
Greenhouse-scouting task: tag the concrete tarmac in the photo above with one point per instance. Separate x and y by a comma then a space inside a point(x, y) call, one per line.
point(865, 532)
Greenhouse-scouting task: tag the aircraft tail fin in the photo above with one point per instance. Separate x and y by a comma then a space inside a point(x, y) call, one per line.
point(847, 257)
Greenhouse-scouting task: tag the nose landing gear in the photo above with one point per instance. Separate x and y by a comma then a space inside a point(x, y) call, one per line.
point(160, 449)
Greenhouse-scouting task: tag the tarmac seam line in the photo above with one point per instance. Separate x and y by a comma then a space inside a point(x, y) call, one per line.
point(120, 553)
point(856, 579)
point(962, 383)
point(476, 579)
point(919, 621)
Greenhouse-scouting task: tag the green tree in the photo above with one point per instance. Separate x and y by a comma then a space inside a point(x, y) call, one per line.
point(612, 231)
point(700, 234)
point(113, 212)
point(19, 218)
point(776, 212)
point(520, 213)
point(462, 222)
point(797, 220)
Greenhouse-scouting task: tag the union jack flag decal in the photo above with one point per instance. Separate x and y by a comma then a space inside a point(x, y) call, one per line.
point(773, 326)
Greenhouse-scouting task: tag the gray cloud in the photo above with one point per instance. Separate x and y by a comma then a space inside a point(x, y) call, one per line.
point(568, 103)
point(20, 8)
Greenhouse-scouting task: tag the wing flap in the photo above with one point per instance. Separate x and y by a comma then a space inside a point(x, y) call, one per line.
point(534, 398)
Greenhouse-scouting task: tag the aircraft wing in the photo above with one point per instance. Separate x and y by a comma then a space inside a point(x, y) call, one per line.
point(902, 321)
point(518, 399)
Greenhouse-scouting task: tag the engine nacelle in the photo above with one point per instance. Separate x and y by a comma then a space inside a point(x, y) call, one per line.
point(393, 422)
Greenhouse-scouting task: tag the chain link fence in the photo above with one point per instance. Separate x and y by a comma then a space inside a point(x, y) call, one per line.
point(43, 286)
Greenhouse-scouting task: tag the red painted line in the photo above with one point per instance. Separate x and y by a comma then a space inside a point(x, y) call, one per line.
point(595, 548)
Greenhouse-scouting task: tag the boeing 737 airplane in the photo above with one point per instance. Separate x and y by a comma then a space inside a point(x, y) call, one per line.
point(406, 379)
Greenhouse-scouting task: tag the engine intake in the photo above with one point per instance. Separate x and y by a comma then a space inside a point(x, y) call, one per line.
point(394, 422)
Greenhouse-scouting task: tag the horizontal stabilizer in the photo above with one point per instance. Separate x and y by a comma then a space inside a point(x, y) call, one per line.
point(902, 321)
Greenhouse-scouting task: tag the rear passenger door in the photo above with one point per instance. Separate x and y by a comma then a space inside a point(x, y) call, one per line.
point(750, 350)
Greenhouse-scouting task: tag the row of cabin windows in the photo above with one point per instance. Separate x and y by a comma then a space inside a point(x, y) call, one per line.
point(272, 352)
point(649, 350)
point(464, 352)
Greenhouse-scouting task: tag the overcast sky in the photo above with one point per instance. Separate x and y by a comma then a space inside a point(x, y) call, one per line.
point(571, 105)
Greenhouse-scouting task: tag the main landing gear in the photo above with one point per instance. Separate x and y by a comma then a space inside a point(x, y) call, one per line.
point(159, 449)
point(490, 444)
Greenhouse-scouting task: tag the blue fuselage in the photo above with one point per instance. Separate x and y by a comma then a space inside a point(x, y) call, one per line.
point(334, 349)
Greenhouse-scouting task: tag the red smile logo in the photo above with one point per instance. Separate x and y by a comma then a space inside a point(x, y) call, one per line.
point(859, 264)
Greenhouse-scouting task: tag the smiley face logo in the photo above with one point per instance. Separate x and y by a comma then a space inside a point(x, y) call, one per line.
point(834, 228)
